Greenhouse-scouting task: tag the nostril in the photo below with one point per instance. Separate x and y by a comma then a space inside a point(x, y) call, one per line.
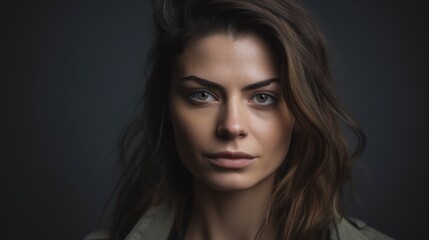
point(222, 133)
point(230, 131)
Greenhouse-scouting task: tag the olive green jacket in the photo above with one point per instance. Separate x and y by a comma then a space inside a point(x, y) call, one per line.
point(156, 224)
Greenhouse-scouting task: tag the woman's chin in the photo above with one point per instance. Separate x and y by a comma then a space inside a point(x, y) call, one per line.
point(230, 182)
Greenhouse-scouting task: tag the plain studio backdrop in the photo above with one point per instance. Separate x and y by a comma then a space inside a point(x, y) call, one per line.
point(71, 71)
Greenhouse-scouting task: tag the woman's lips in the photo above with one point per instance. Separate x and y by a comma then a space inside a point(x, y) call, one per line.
point(231, 160)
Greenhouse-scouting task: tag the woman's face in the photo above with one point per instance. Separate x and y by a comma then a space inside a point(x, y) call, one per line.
point(232, 127)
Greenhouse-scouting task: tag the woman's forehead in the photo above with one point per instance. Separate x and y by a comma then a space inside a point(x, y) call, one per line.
point(221, 56)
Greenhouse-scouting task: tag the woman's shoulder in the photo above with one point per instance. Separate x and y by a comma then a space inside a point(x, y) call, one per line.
point(100, 234)
point(154, 224)
point(355, 229)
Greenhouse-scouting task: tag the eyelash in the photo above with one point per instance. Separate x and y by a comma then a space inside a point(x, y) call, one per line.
point(192, 96)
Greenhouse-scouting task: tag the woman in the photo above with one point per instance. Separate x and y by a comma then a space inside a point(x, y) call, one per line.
point(239, 135)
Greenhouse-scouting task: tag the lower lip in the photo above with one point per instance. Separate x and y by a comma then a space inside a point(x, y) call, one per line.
point(231, 163)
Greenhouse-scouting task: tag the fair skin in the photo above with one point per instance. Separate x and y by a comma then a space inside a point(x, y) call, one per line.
point(232, 131)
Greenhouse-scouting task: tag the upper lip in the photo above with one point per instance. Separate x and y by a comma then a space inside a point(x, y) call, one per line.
point(231, 155)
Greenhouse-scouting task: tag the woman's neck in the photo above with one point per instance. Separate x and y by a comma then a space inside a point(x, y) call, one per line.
point(234, 215)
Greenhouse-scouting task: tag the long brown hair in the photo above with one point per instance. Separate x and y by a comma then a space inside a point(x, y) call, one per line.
point(306, 196)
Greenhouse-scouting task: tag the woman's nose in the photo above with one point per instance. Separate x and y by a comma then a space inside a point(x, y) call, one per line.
point(231, 122)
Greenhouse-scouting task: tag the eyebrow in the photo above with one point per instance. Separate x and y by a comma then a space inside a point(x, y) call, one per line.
point(214, 85)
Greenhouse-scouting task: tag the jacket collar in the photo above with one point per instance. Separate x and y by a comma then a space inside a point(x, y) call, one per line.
point(157, 222)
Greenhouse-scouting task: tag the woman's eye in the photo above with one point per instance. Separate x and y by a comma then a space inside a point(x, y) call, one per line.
point(202, 96)
point(263, 99)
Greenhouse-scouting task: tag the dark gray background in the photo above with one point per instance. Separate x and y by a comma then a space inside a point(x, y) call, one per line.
point(71, 70)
